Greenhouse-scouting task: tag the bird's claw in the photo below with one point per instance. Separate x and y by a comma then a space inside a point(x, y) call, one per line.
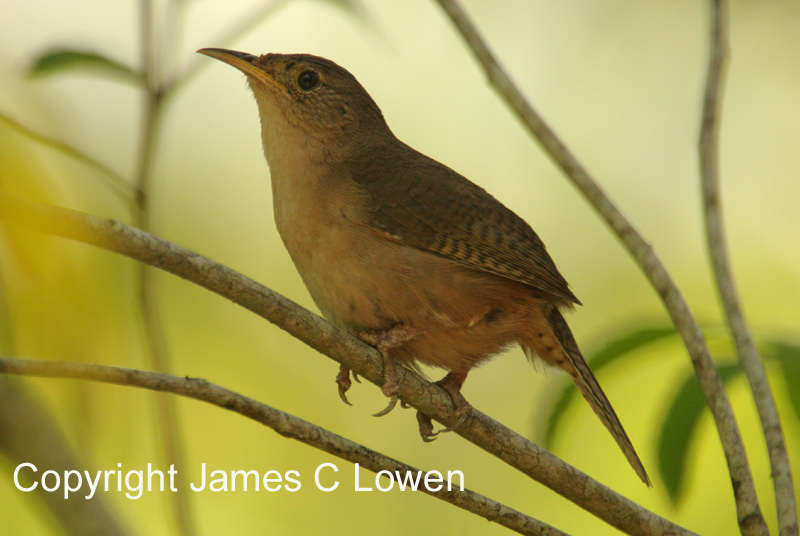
point(426, 428)
point(426, 425)
point(390, 386)
point(344, 383)
point(466, 414)
point(387, 409)
point(391, 383)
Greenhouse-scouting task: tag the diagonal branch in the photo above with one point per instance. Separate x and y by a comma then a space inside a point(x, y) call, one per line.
point(750, 360)
point(751, 520)
point(347, 350)
point(285, 424)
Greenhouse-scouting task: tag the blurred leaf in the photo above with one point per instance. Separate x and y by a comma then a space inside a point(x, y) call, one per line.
point(679, 426)
point(788, 355)
point(627, 343)
point(60, 60)
point(611, 352)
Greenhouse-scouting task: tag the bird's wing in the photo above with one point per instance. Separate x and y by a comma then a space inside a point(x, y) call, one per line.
point(421, 203)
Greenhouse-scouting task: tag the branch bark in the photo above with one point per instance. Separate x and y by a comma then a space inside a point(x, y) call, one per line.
point(751, 520)
point(749, 357)
point(285, 424)
point(347, 350)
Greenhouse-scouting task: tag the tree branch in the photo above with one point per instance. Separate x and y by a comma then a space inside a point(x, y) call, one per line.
point(751, 362)
point(748, 510)
point(347, 350)
point(285, 424)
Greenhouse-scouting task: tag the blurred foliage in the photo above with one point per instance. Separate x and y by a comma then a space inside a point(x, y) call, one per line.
point(685, 408)
point(788, 357)
point(65, 60)
point(680, 423)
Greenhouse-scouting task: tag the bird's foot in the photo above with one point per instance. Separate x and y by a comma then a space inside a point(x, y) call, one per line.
point(385, 341)
point(452, 384)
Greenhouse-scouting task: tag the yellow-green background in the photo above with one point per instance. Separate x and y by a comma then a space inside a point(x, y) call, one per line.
point(620, 81)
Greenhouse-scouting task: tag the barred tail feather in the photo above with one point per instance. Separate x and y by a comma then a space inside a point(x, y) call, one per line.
point(593, 393)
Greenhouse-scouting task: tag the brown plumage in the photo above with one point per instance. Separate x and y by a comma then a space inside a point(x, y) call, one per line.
point(400, 249)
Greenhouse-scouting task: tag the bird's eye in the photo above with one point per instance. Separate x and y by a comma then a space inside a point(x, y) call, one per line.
point(308, 80)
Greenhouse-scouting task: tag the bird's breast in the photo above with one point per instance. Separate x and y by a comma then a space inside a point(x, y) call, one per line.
point(318, 218)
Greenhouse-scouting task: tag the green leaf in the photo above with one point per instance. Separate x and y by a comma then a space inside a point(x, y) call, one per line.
point(678, 428)
point(62, 60)
point(611, 352)
point(788, 355)
point(628, 342)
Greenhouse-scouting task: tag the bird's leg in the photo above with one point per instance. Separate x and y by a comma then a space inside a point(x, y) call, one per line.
point(452, 384)
point(385, 341)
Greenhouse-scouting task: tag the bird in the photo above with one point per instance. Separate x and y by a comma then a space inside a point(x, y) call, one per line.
point(399, 249)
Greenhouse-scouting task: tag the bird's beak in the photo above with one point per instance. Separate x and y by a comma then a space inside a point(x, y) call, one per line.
point(244, 62)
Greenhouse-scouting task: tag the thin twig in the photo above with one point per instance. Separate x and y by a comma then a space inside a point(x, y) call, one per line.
point(347, 350)
point(156, 344)
point(748, 510)
point(283, 423)
point(119, 185)
point(751, 362)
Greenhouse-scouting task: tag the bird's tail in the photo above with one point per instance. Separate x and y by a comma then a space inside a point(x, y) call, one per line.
point(593, 393)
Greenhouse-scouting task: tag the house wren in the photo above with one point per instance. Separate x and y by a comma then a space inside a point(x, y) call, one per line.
point(399, 249)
